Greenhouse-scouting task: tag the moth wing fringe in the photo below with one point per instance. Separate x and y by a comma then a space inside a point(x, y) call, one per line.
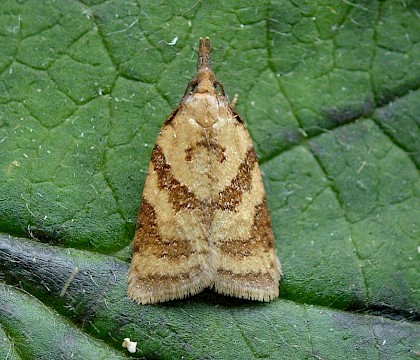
point(171, 291)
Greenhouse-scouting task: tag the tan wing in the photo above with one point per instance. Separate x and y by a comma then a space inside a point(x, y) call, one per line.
point(241, 234)
point(170, 246)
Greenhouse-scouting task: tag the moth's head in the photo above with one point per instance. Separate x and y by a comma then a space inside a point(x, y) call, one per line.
point(205, 81)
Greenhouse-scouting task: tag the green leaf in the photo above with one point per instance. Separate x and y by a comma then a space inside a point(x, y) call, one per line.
point(32, 331)
point(89, 289)
point(330, 93)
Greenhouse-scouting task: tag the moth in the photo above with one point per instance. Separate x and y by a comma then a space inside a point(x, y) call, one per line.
point(203, 220)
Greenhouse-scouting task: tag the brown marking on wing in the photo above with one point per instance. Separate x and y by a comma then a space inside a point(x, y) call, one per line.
point(231, 195)
point(161, 281)
point(261, 239)
point(179, 195)
point(146, 231)
point(256, 279)
point(211, 145)
point(147, 238)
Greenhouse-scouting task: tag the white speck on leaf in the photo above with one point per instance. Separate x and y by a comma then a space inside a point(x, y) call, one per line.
point(130, 345)
point(173, 41)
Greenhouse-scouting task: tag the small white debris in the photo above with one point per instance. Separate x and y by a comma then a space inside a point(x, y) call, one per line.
point(173, 42)
point(130, 345)
point(361, 167)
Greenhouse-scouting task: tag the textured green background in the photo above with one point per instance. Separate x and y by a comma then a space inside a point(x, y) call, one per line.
point(330, 93)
